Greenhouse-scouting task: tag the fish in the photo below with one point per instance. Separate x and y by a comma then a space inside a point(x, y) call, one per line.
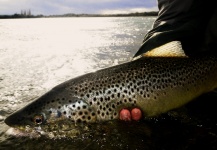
point(153, 83)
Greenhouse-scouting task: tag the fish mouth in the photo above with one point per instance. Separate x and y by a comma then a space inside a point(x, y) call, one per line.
point(21, 132)
point(13, 120)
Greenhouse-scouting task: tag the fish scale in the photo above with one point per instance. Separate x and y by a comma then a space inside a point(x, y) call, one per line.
point(153, 84)
point(128, 87)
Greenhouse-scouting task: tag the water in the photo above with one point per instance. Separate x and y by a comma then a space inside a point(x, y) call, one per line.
point(37, 54)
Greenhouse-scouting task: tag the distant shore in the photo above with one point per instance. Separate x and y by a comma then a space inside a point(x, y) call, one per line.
point(15, 16)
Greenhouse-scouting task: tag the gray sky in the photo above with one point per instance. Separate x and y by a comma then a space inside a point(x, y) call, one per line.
point(49, 7)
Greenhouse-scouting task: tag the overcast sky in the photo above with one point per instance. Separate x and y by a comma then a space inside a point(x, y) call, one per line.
point(49, 7)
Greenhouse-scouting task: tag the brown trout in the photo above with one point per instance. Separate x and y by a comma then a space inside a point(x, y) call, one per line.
point(153, 84)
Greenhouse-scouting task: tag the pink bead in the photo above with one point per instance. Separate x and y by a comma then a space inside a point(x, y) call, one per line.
point(125, 115)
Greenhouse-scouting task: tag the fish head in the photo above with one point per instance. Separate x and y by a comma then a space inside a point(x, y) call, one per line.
point(55, 110)
point(36, 113)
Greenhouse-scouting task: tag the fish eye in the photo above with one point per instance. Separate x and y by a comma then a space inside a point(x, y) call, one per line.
point(38, 119)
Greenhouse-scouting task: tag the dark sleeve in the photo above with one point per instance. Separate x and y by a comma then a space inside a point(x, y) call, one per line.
point(182, 20)
point(172, 11)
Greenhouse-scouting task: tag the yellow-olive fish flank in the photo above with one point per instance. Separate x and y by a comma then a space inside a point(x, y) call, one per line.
point(153, 84)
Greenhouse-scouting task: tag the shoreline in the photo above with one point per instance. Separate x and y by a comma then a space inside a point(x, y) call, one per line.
point(19, 16)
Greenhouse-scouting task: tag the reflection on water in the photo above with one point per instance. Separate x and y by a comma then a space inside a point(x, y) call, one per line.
point(37, 54)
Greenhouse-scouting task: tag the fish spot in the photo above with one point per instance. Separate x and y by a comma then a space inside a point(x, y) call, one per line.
point(113, 105)
point(93, 114)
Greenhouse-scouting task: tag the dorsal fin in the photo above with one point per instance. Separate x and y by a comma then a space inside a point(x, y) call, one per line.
point(171, 49)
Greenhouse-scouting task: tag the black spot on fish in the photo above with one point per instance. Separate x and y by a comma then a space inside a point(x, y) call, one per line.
point(113, 105)
point(93, 114)
point(119, 95)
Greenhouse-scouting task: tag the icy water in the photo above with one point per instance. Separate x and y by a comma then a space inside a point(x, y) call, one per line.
point(37, 54)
